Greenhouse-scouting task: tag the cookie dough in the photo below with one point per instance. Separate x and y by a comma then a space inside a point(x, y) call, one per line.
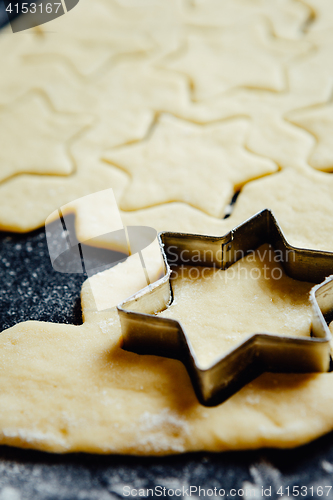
point(242, 55)
point(98, 88)
point(220, 309)
point(184, 162)
point(30, 118)
point(72, 388)
point(302, 203)
point(89, 38)
point(36, 197)
point(318, 121)
point(287, 17)
point(64, 88)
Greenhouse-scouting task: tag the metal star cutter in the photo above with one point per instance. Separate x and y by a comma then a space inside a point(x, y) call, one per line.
point(145, 333)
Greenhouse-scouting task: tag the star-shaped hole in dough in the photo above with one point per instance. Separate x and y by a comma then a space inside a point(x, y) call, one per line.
point(201, 166)
point(238, 56)
point(34, 138)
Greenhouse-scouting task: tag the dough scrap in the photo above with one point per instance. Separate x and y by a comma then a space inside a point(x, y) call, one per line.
point(239, 56)
point(58, 381)
point(183, 162)
point(219, 309)
point(32, 117)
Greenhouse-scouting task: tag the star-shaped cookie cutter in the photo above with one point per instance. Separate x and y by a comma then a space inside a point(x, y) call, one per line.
point(145, 333)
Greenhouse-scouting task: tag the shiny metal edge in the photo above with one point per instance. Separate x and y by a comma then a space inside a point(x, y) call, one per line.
point(145, 333)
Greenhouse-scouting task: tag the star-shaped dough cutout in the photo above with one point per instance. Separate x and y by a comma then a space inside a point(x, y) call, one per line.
point(239, 305)
point(318, 121)
point(180, 161)
point(34, 138)
point(238, 56)
point(287, 16)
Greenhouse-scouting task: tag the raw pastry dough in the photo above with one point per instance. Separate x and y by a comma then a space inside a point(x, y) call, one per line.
point(72, 388)
point(242, 55)
point(319, 122)
point(25, 120)
point(89, 38)
point(302, 203)
point(184, 162)
point(219, 309)
point(36, 197)
point(287, 17)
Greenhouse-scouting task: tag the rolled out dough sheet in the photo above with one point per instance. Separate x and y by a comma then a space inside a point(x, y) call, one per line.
point(287, 17)
point(72, 388)
point(24, 121)
point(241, 55)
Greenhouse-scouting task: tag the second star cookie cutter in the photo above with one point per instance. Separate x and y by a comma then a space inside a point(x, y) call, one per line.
point(145, 333)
